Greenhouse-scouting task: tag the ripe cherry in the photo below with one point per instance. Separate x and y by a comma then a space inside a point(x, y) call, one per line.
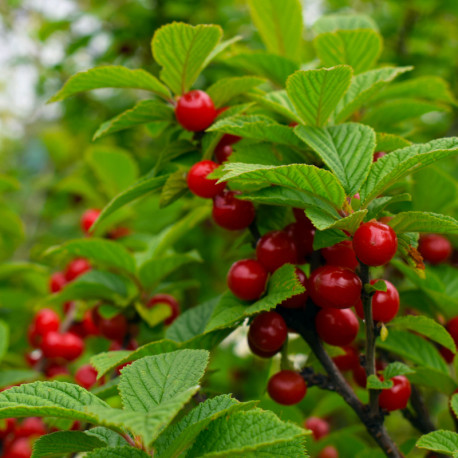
point(198, 182)
point(232, 213)
point(287, 388)
point(397, 397)
point(268, 331)
point(86, 376)
point(88, 218)
point(46, 320)
point(333, 286)
point(300, 215)
point(168, 300)
point(375, 243)
point(302, 235)
point(57, 282)
point(318, 426)
point(247, 279)
point(262, 354)
point(275, 249)
point(88, 324)
point(329, 452)
point(337, 327)
point(298, 300)
point(195, 111)
point(34, 357)
point(348, 361)
point(222, 152)
point(114, 328)
point(76, 268)
point(19, 448)
point(385, 304)
point(378, 155)
point(359, 376)
point(434, 248)
point(65, 345)
point(341, 254)
point(53, 370)
point(32, 426)
point(446, 354)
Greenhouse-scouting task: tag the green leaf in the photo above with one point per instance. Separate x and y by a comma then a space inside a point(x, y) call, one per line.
point(328, 237)
point(226, 89)
point(163, 377)
point(8, 183)
point(333, 22)
point(346, 149)
point(242, 433)
point(141, 188)
point(4, 338)
point(392, 167)
point(63, 442)
point(425, 326)
point(265, 153)
point(322, 220)
point(434, 379)
point(106, 435)
point(180, 436)
point(439, 441)
point(374, 383)
point(390, 142)
point(125, 451)
point(182, 50)
point(259, 128)
point(283, 284)
point(175, 187)
point(363, 87)
point(424, 222)
point(358, 48)
point(101, 251)
point(280, 25)
point(454, 403)
point(16, 376)
point(316, 93)
point(111, 76)
point(279, 102)
point(396, 368)
point(378, 205)
point(142, 113)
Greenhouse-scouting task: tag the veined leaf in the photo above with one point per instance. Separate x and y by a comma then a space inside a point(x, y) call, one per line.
point(182, 50)
point(175, 187)
point(226, 89)
point(396, 368)
point(359, 48)
point(328, 237)
point(61, 443)
point(279, 102)
point(114, 77)
point(374, 383)
point(124, 451)
point(333, 22)
point(424, 222)
point(347, 150)
point(440, 441)
point(323, 220)
point(390, 142)
point(106, 435)
point(280, 25)
point(379, 204)
point(316, 93)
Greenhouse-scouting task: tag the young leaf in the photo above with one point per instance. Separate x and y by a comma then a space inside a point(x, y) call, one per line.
point(125, 451)
point(175, 187)
point(396, 368)
point(374, 383)
point(226, 89)
point(279, 102)
point(333, 22)
point(142, 113)
point(62, 443)
point(439, 441)
point(161, 378)
point(280, 26)
point(316, 93)
point(328, 237)
point(358, 48)
point(182, 50)
point(346, 149)
point(323, 220)
point(424, 222)
point(265, 153)
point(111, 76)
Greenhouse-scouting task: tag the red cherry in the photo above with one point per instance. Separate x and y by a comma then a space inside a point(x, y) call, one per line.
point(198, 182)
point(76, 268)
point(397, 397)
point(66, 345)
point(375, 243)
point(275, 249)
point(19, 448)
point(222, 152)
point(337, 327)
point(348, 361)
point(229, 139)
point(268, 331)
point(318, 426)
point(114, 328)
point(359, 376)
point(333, 286)
point(300, 215)
point(34, 357)
point(54, 369)
point(256, 351)
point(302, 235)
point(46, 320)
point(8, 427)
point(86, 376)
point(378, 155)
point(57, 282)
point(119, 232)
point(88, 324)
point(341, 254)
point(169, 300)
point(195, 111)
point(116, 346)
point(452, 328)
point(32, 426)
point(232, 213)
point(446, 354)
point(329, 452)
point(88, 218)
point(298, 300)
point(247, 279)
point(434, 248)
point(385, 304)
point(287, 388)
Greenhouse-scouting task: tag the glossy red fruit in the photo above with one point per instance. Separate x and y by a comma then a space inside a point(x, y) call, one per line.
point(53, 370)
point(348, 361)
point(300, 215)
point(7, 426)
point(76, 268)
point(287, 388)
point(34, 357)
point(375, 243)
point(275, 249)
point(298, 300)
point(195, 111)
point(198, 182)
point(318, 426)
point(19, 448)
point(46, 320)
point(378, 155)
point(262, 354)
point(247, 279)
point(385, 304)
point(222, 152)
point(88, 218)
point(86, 376)
point(341, 254)
point(333, 286)
point(329, 452)
point(57, 282)
point(337, 327)
point(268, 331)
point(65, 345)
point(114, 328)
point(446, 354)
point(435, 248)
point(32, 426)
point(302, 235)
point(232, 213)
point(397, 397)
point(169, 300)
point(88, 324)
